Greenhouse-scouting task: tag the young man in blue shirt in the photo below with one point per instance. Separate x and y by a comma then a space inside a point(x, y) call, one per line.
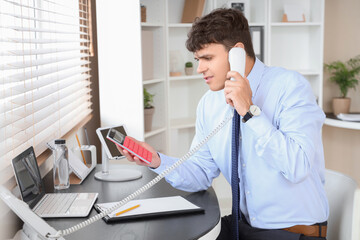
point(281, 160)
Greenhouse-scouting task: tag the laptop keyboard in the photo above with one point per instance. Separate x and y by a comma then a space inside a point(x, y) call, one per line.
point(57, 203)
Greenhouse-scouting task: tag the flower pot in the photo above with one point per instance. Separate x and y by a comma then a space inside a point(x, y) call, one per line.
point(148, 117)
point(189, 71)
point(341, 105)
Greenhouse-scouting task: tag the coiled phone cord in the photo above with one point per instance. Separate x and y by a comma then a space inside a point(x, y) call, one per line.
point(95, 218)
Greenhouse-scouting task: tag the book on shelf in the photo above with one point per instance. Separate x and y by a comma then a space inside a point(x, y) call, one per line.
point(192, 10)
point(257, 36)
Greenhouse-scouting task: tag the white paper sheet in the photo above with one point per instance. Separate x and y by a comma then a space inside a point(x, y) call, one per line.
point(294, 12)
point(349, 117)
point(151, 205)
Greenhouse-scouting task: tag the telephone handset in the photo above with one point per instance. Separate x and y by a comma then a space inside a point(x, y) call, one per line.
point(237, 59)
point(237, 63)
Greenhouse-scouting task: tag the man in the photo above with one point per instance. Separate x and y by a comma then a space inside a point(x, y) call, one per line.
point(280, 162)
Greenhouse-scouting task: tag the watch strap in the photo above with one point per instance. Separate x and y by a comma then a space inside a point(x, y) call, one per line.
point(246, 117)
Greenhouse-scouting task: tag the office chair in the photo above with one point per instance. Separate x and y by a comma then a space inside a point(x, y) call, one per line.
point(344, 203)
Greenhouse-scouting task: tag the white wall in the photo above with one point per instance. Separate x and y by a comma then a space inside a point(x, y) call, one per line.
point(119, 56)
point(341, 42)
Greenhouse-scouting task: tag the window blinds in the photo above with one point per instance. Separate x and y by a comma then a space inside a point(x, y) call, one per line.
point(45, 74)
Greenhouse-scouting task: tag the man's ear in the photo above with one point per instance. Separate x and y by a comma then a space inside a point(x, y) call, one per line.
point(239, 44)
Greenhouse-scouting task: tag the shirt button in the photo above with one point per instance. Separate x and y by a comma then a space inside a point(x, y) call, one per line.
point(240, 138)
point(244, 165)
point(253, 219)
point(247, 192)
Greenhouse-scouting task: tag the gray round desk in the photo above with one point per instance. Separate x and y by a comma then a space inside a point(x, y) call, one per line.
point(178, 227)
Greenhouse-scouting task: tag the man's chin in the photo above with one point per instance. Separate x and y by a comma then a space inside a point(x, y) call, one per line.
point(216, 88)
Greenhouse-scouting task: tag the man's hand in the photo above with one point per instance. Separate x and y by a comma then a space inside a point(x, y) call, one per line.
point(155, 162)
point(238, 93)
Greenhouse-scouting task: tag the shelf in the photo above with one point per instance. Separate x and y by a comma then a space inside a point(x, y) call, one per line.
point(332, 120)
point(255, 24)
point(182, 123)
point(295, 24)
point(151, 24)
point(154, 132)
point(151, 81)
point(285, 51)
point(185, 78)
point(307, 72)
point(180, 25)
point(188, 25)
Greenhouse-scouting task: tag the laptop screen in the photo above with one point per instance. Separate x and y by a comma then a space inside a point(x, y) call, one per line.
point(28, 177)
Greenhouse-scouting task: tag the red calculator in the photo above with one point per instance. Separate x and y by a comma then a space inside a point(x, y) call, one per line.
point(129, 145)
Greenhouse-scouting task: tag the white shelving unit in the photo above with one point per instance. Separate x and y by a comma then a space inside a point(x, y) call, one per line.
point(295, 46)
point(299, 46)
point(175, 97)
point(154, 70)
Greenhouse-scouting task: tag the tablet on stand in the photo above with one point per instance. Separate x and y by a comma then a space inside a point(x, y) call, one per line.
point(110, 151)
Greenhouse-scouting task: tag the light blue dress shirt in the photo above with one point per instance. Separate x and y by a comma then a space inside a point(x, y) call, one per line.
point(281, 163)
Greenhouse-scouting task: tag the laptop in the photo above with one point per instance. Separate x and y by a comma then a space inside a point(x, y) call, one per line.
point(50, 205)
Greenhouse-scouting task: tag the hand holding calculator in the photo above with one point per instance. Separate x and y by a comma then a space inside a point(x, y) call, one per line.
point(129, 145)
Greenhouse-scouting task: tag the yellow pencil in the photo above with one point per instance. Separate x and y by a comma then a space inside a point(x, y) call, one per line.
point(82, 153)
point(126, 210)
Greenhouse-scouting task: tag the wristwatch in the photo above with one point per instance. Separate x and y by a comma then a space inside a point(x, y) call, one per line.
point(253, 111)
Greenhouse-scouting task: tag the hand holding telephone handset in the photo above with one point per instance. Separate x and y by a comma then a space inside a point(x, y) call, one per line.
point(237, 63)
point(245, 107)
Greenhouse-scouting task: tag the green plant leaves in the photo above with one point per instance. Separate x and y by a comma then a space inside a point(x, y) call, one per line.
point(188, 64)
point(148, 99)
point(345, 75)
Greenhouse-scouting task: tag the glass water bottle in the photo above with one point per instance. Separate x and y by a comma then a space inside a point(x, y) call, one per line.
point(61, 165)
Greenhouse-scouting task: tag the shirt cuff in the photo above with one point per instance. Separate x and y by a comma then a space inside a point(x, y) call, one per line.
point(166, 161)
point(260, 125)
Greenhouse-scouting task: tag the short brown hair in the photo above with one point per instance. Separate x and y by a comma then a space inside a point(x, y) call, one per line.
point(223, 26)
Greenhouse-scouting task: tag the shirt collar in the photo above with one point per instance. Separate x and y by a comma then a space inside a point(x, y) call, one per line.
point(255, 75)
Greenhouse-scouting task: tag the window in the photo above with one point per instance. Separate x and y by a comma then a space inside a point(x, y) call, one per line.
point(44, 73)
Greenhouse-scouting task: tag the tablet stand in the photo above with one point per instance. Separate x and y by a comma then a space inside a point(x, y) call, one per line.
point(81, 170)
point(116, 175)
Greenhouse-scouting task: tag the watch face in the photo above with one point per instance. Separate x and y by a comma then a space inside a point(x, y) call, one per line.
point(255, 110)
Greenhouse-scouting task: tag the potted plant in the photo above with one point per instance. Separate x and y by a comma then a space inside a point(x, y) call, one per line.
point(345, 75)
point(189, 68)
point(148, 109)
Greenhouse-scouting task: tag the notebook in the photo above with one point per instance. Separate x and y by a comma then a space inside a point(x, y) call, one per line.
point(51, 205)
point(149, 208)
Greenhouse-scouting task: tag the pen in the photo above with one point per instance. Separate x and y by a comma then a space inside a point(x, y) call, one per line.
point(126, 210)
point(82, 153)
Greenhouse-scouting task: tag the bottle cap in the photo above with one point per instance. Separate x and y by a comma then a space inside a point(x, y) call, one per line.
point(60, 141)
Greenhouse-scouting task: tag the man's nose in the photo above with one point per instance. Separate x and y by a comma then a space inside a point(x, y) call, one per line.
point(201, 67)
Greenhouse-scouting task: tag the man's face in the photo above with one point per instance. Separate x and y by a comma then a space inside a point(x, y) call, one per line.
point(213, 65)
